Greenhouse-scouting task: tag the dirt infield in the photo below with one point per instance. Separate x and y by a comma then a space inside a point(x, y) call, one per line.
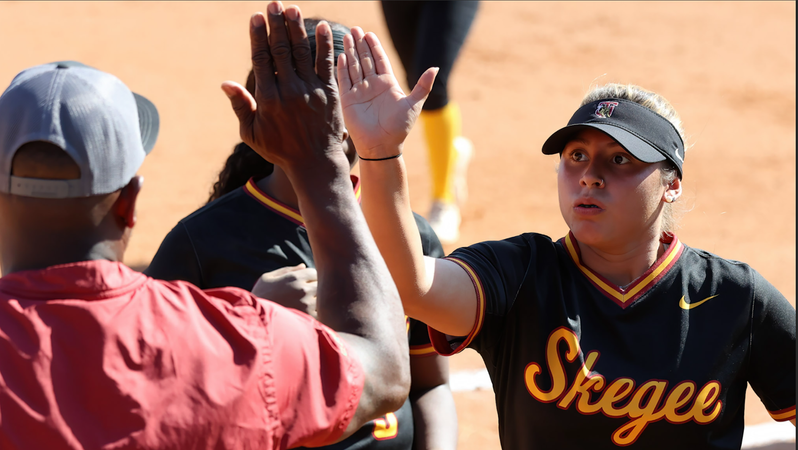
point(728, 68)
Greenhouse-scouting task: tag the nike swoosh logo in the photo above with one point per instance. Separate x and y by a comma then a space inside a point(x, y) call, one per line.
point(684, 305)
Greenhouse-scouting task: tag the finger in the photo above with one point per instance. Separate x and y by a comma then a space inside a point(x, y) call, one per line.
point(277, 273)
point(355, 74)
point(325, 55)
point(363, 52)
point(242, 102)
point(310, 275)
point(423, 88)
point(344, 83)
point(382, 64)
point(306, 275)
point(279, 43)
point(262, 65)
point(300, 46)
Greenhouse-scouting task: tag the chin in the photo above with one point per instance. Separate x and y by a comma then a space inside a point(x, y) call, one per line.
point(590, 233)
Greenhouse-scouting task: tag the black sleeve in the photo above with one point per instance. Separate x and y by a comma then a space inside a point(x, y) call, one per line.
point(430, 243)
point(773, 349)
point(176, 259)
point(498, 270)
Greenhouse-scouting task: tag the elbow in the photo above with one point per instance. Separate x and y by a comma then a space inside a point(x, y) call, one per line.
point(398, 388)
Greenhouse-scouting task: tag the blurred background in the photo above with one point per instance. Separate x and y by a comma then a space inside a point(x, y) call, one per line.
point(728, 68)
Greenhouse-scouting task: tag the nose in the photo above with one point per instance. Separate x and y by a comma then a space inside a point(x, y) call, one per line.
point(592, 178)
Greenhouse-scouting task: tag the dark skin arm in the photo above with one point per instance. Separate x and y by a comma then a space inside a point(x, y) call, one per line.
point(295, 121)
point(434, 413)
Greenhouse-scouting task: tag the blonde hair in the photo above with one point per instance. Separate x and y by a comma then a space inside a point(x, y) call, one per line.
point(661, 106)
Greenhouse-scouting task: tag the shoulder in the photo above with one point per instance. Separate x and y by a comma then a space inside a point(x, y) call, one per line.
point(704, 264)
point(222, 206)
point(524, 246)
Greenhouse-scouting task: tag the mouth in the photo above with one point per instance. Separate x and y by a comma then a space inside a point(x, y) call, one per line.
point(588, 205)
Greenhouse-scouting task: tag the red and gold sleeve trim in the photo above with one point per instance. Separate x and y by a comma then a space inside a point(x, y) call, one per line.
point(440, 341)
point(783, 415)
point(422, 350)
point(627, 296)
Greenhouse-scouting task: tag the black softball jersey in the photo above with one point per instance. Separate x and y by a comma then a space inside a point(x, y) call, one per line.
point(233, 240)
point(663, 363)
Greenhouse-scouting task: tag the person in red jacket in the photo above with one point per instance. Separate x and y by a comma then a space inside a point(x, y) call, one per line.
point(95, 355)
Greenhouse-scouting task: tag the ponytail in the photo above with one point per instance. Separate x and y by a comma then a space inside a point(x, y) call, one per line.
point(240, 166)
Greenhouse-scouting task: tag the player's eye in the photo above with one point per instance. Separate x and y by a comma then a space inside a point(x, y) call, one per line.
point(620, 159)
point(577, 155)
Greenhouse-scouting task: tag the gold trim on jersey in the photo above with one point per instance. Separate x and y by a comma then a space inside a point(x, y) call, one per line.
point(422, 350)
point(284, 210)
point(783, 415)
point(439, 338)
point(621, 296)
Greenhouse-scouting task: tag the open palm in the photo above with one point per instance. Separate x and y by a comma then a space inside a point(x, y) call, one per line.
point(376, 111)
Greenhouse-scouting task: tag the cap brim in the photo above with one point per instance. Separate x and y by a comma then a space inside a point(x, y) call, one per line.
point(639, 148)
point(149, 122)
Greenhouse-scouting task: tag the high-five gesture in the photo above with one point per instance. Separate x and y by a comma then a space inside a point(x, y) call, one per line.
point(295, 121)
point(378, 114)
point(286, 81)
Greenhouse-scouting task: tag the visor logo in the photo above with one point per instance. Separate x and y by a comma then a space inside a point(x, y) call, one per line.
point(605, 109)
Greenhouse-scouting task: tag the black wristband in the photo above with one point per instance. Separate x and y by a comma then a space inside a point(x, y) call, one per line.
point(380, 159)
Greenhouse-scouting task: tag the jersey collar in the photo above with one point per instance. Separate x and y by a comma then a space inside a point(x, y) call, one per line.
point(626, 296)
point(281, 208)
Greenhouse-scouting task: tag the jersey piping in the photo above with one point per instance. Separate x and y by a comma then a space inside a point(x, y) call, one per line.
point(783, 415)
point(281, 208)
point(625, 297)
point(439, 341)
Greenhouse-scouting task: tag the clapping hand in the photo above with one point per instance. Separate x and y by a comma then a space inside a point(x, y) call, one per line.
point(378, 114)
point(294, 118)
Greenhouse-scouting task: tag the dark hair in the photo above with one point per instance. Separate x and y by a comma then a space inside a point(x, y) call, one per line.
point(244, 163)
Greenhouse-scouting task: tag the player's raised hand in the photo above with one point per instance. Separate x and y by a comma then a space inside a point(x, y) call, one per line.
point(295, 115)
point(378, 115)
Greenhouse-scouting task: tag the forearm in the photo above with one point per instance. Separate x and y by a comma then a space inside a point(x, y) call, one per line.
point(356, 294)
point(386, 205)
point(434, 419)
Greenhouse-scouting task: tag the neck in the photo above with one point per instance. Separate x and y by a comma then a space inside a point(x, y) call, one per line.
point(624, 266)
point(36, 252)
point(279, 187)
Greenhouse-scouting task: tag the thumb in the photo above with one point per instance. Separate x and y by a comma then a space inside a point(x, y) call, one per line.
point(241, 100)
point(423, 87)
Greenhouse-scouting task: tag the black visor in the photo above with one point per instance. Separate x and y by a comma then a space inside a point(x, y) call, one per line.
point(645, 134)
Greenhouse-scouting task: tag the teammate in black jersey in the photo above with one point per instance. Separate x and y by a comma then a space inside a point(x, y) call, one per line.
point(253, 207)
point(617, 334)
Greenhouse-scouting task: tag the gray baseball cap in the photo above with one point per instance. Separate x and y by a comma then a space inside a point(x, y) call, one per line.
point(90, 114)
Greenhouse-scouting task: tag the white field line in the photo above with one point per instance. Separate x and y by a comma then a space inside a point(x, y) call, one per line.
point(754, 436)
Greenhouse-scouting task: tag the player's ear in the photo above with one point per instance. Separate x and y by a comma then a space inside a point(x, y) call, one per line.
point(125, 206)
point(672, 191)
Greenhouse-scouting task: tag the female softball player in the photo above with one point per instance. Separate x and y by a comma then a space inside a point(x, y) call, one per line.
point(253, 207)
point(616, 335)
point(430, 34)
